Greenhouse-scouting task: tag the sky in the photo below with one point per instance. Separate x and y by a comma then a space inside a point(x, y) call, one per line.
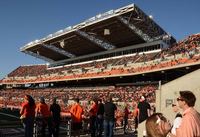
point(23, 21)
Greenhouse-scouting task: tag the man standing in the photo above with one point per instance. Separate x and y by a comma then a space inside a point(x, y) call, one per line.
point(109, 117)
point(76, 113)
point(190, 125)
point(100, 118)
point(55, 111)
point(144, 109)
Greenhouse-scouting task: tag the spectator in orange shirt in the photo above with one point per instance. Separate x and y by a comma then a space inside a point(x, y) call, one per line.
point(43, 111)
point(27, 113)
point(76, 114)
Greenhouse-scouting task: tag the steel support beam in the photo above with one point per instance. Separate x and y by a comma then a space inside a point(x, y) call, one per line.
point(96, 40)
point(136, 30)
point(63, 52)
point(153, 29)
point(38, 56)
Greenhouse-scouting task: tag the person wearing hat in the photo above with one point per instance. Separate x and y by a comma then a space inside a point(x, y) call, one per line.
point(42, 110)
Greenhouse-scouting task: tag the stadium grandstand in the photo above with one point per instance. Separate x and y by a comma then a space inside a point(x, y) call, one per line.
point(122, 52)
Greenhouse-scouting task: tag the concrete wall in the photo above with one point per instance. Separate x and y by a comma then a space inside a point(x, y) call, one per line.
point(142, 129)
point(170, 91)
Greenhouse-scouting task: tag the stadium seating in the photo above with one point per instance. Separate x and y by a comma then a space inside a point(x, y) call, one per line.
point(183, 52)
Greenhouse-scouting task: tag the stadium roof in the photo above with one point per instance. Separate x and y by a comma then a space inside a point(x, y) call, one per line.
point(111, 30)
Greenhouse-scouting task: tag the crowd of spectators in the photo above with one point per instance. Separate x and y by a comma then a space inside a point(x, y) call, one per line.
point(183, 52)
point(14, 97)
point(122, 96)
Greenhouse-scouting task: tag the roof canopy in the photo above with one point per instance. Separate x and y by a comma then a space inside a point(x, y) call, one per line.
point(111, 30)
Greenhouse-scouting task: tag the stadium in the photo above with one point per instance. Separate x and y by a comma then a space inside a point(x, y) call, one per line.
point(122, 52)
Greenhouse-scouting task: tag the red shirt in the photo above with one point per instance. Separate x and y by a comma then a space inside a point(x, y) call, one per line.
point(27, 111)
point(43, 109)
point(94, 109)
point(76, 113)
point(126, 112)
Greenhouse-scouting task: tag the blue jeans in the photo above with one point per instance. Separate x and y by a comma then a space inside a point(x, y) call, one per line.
point(100, 125)
point(93, 126)
point(108, 128)
point(47, 121)
point(28, 124)
point(56, 128)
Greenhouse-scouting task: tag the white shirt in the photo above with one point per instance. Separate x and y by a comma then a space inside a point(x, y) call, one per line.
point(176, 124)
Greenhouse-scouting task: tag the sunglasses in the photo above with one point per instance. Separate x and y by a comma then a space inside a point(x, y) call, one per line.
point(180, 99)
point(173, 105)
point(162, 117)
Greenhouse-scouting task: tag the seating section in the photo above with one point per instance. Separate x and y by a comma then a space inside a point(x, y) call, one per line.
point(183, 52)
point(13, 98)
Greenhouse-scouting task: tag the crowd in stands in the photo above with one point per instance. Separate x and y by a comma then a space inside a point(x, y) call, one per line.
point(123, 96)
point(14, 97)
point(183, 52)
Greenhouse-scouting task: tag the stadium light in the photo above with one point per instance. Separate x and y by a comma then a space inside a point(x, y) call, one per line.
point(151, 16)
point(166, 37)
point(187, 68)
point(106, 32)
point(62, 43)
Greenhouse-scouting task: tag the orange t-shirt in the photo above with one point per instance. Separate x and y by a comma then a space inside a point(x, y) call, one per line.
point(43, 109)
point(27, 111)
point(76, 112)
